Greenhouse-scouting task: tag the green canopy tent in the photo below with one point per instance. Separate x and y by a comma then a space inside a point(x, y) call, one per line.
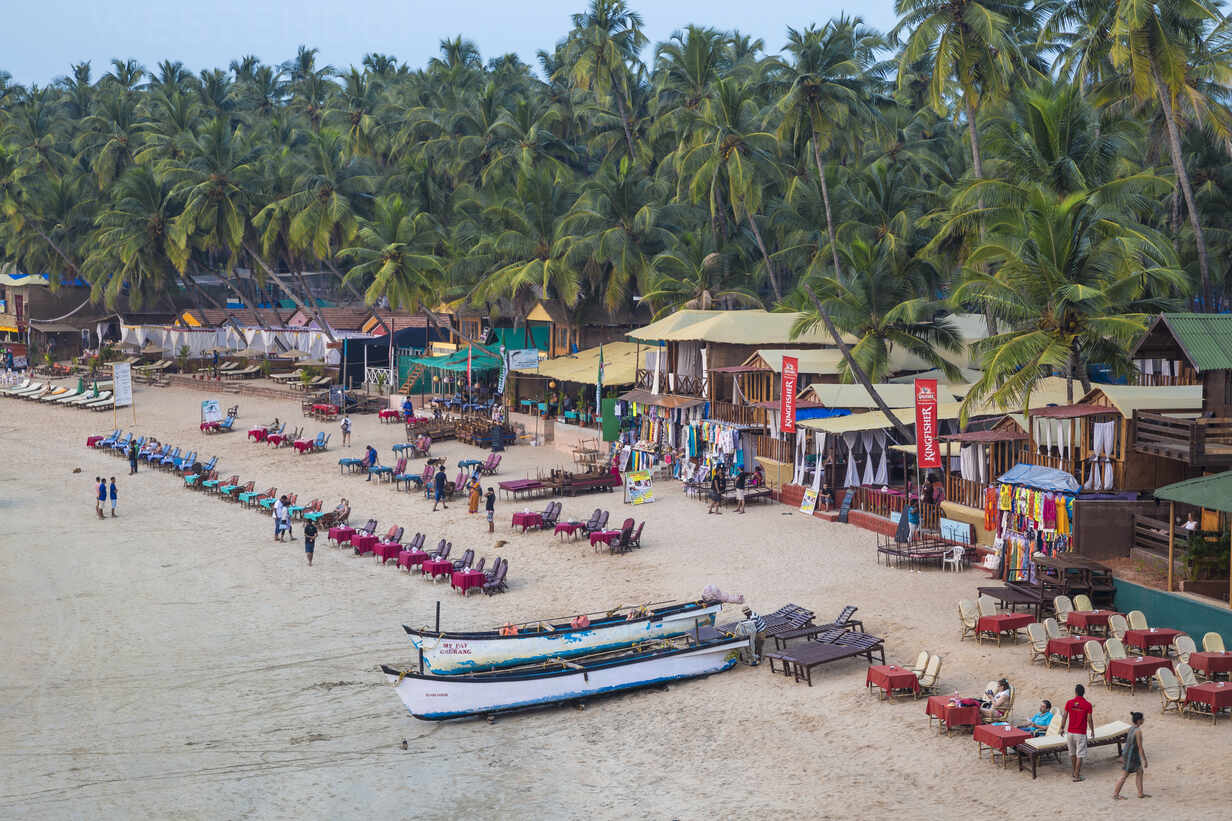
point(482, 360)
point(1212, 492)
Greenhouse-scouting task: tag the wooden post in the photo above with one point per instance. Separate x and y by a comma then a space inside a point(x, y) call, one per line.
point(1171, 540)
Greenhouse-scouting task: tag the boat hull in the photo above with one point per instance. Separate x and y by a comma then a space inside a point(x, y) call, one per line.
point(435, 698)
point(446, 655)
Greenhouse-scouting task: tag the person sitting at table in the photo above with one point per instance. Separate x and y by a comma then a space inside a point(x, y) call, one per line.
point(996, 707)
point(1037, 725)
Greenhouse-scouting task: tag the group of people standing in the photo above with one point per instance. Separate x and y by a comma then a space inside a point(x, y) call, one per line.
point(105, 491)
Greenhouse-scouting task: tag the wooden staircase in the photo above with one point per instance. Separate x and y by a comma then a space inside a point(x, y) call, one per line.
point(412, 377)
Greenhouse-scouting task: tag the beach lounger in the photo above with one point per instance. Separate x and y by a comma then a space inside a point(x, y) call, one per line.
point(16, 389)
point(169, 459)
point(799, 661)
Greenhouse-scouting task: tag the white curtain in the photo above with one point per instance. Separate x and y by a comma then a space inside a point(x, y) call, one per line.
point(852, 479)
point(867, 437)
point(882, 477)
point(966, 462)
point(797, 476)
point(981, 462)
point(658, 360)
point(819, 439)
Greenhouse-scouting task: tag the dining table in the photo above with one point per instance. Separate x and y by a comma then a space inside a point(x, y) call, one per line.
point(527, 520)
point(1000, 737)
point(1152, 637)
point(1211, 665)
point(889, 678)
point(1089, 620)
point(1069, 648)
point(953, 712)
point(1004, 624)
point(436, 567)
point(1216, 695)
point(465, 580)
point(1135, 669)
point(571, 528)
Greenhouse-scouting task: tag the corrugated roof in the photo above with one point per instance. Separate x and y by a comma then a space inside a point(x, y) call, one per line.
point(619, 365)
point(751, 327)
point(1129, 398)
point(876, 420)
point(1213, 492)
point(1206, 339)
point(812, 360)
point(833, 395)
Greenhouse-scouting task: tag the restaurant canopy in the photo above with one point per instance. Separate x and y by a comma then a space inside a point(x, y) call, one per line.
point(746, 327)
point(1212, 492)
point(481, 359)
point(619, 365)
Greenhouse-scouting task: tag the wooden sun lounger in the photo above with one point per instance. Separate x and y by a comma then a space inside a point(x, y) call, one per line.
point(800, 660)
point(1035, 748)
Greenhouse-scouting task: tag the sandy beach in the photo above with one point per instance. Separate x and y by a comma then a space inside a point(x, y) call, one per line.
point(175, 662)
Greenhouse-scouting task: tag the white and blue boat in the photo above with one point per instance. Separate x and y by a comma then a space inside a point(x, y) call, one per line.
point(447, 653)
point(434, 698)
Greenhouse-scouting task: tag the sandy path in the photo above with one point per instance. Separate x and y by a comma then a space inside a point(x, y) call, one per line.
point(177, 663)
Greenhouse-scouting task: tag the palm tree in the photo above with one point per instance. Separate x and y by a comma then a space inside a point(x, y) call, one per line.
point(393, 255)
point(691, 274)
point(827, 91)
point(1074, 278)
point(606, 39)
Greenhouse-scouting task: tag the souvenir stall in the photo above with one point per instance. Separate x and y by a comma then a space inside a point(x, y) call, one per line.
point(1033, 511)
point(655, 427)
point(713, 442)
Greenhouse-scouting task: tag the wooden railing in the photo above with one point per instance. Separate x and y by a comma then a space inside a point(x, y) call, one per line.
point(967, 492)
point(1187, 377)
point(680, 385)
point(1152, 535)
point(738, 414)
point(781, 450)
point(1198, 442)
point(883, 503)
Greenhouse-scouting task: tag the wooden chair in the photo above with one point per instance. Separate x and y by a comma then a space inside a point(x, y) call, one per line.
point(1212, 643)
point(931, 677)
point(1083, 602)
point(1137, 620)
point(1097, 663)
point(1037, 639)
point(969, 619)
point(1170, 694)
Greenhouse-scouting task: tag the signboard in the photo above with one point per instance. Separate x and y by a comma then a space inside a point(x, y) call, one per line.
point(928, 453)
point(809, 503)
point(504, 372)
point(956, 531)
point(211, 411)
point(639, 488)
point(122, 376)
point(787, 401)
point(521, 358)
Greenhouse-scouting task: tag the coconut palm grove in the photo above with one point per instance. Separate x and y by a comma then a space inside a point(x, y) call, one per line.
point(1061, 168)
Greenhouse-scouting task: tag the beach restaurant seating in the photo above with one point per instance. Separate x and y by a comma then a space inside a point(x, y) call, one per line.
point(917, 666)
point(1212, 643)
point(1137, 620)
point(214, 485)
point(1170, 692)
point(930, 676)
point(488, 468)
point(1097, 662)
point(388, 547)
point(496, 584)
point(1118, 626)
point(1037, 643)
point(231, 492)
point(301, 511)
point(193, 480)
point(1082, 603)
point(969, 619)
point(1183, 645)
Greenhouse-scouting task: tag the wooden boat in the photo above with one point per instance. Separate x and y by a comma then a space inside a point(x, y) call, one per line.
point(449, 653)
point(433, 698)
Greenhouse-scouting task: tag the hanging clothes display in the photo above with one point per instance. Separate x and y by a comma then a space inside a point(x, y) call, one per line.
point(1035, 521)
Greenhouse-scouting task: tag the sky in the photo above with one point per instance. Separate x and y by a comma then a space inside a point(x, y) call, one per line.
point(42, 38)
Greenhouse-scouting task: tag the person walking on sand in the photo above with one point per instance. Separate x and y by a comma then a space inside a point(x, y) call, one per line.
point(490, 504)
point(742, 480)
point(438, 488)
point(310, 540)
point(346, 431)
point(717, 485)
point(132, 457)
point(472, 504)
point(1079, 723)
point(1134, 760)
point(112, 493)
point(280, 507)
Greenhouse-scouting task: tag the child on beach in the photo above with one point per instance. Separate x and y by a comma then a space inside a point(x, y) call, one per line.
point(490, 504)
point(310, 540)
point(346, 431)
point(113, 497)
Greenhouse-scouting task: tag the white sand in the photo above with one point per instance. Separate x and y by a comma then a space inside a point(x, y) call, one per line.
point(175, 663)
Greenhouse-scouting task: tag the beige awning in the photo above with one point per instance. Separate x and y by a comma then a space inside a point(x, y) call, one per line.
point(619, 365)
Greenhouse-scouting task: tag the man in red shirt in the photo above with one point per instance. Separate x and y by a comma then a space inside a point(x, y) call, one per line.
point(1078, 724)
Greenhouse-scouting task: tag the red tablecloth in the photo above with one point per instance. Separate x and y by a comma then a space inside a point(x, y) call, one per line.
point(464, 580)
point(390, 413)
point(1005, 622)
point(890, 677)
point(408, 558)
point(1135, 668)
point(91, 441)
point(1216, 694)
point(569, 527)
point(604, 536)
point(1147, 639)
point(527, 520)
point(951, 716)
point(1086, 619)
point(258, 434)
point(1210, 664)
point(437, 567)
point(365, 543)
point(1068, 647)
point(303, 445)
point(998, 736)
point(210, 425)
point(337, 534)
point(328, 410)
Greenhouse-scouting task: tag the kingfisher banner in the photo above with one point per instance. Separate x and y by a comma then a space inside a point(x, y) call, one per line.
point(928, 453)
point(787, 401)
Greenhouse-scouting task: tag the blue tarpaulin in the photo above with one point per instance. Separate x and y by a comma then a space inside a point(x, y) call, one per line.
point(820, 413)
point(1040, 478)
